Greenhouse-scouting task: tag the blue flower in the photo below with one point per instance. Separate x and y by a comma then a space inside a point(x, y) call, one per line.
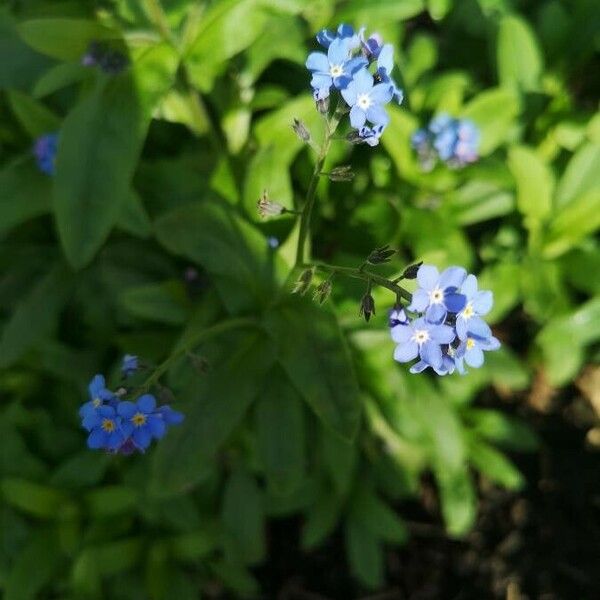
point(465, 150)
point(470, 351)
point(421, 339)
point(438, 294)
point(344, 32)
point(372, 46)
point(170, 416)
point(478, 304)
point(385, 64)
point(367, 100)
point(130, 365)
point(140, 422)
point(44, 150)
point(370, 135)
point(398, 316)
point(105, 429)
point(99, 394)
point(334, 68)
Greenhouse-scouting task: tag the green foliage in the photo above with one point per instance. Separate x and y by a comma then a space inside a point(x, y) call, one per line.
point(148, 234)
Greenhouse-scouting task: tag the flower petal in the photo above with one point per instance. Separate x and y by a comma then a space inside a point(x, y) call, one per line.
point(482, 302)
point(96, 439)
point(461, 328)
point(452, 277)
point(357, 116)
point(401, 333)
point(454, 302)
point(363, 80)
point(436, 313)
point(420, 301)
point(337, 53)
point(126, 409)
point(427, 276)
point(381, 93)
point(156, 426)
point(320, 81)
point(469, 287)
point(418, 367)
point(479, 329)
point(318, 62)
point(406, 352)
point(491, 343)
point(442, 334)
point(349, 94)
point(146, 403)
point(431, 353)
point(474, 357)
point(96, 385)
point(385, 60)
point(377, 115)
point(142, 437)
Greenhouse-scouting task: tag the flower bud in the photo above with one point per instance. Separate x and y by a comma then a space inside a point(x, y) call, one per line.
point(411, 271)
point(304, 281)
point(301, 131)
point(343, 173)
point(268, 208)
point(323, 291)
point(367, 306)
point(323, 105)
point(381, 255)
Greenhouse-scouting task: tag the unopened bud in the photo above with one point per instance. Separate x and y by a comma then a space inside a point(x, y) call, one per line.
point(354, 137)
point(300, 129)
point(323, 105)
point(304, 281)
point(381, 255)
point(323, 291)
point(343, 173)
point(398, 317)
point(268, 208)
point(411, 271)
point(367, 306)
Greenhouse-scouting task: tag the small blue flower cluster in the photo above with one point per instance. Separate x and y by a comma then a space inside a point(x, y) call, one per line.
point(121, 426)
point(449, 330)
point(345, 67)
point(453, 141)
point(44, 150)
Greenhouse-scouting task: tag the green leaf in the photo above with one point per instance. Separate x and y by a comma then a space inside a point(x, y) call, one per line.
point(24, 193)
point(35, 499)
point(365, 555)
point(502, 429)
point(535, 183)
point(244, 518)
point(458, 499)
point(33, 116)
point(518, 54)
point(230, 249)
point(217, 402)
point(65, 39)
point(280, 433)
point(35, 316)
point(109, 501)
point(494, 465)
point(164, 302)
point(398, 145)
point(236, 577)
point(494, 111)
point(438, 9)
point(480, 200)
point(314, 355)
point(579, 218)
point(98, 148)
point(33, 568)
point(59, 77)
point(580, 176)
point(134, 219)
point(321, 519)
point(339, 458)
point(377, 517)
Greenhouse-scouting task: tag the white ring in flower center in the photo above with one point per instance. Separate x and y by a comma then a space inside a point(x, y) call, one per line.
point(468, 311)
point(336, 70)
point(421, 336)
point(364, 101)
point(470, 343)
point(436, 296)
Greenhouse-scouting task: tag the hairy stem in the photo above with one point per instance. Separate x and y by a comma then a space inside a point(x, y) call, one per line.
point(362, 273)
point(192, 342)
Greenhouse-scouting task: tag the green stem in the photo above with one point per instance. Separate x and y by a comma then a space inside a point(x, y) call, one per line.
point(311, 194)
point(362, 273)
point(192, 342)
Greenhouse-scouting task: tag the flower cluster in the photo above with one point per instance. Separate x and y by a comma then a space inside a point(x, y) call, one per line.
point(360, 70)
point(122, 426)
point(453, 141)
point(448, 331)
point(111, 62)
point(44, 150)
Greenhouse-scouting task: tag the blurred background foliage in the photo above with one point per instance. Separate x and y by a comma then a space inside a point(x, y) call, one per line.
point(148, 233)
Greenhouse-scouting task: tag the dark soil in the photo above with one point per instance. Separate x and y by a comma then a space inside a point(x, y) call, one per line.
point(540, 544)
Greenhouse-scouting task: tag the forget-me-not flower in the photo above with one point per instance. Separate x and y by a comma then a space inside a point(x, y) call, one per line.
point(44, 150)
point(336, 68)
point(344, 32)
point(140, 422)
point(130, 365)
point(385, 64)
point(105, 429)
point(470, 351)
point(366, 100)
point(478, 304)
point(99, 394)
point(438, 294)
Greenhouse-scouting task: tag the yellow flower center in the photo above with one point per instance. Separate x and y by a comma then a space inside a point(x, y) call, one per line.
point(436, 296)
point(336, 70)
point(96, 402)
point(470, 343)
point(138, 419)
point(468, 311)
point(108, 425)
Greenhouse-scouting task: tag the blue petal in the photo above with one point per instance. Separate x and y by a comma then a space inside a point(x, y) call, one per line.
point(156, 426)
point(381, 93)
point(114, 440)
point(427, 276)
point(418, 367)
point(454, 302)
point(126, 409)
point(406, 352)
point(96, 385)
point(478, 328)
point(349, 93)
point(345, 31)
point(442, 334)
point(491, 343)
point(482, 302)
point(469, 287)
point(474, 357)
point(436, 313)
point(107, 411)
point(452, 277)
point(461, 328)
point(142, 437)
point(377, 115)
point(355, 64)
point(317, 61)
point(386, 58)
point(325, 37)
point(90, 421)
point(146, 403)
point(337, 53)
point(357, 116)
point(420, 301)
point(363, 80)
point(170, 416)
point(96, 439)
point(401, 333)
point(431, 353)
